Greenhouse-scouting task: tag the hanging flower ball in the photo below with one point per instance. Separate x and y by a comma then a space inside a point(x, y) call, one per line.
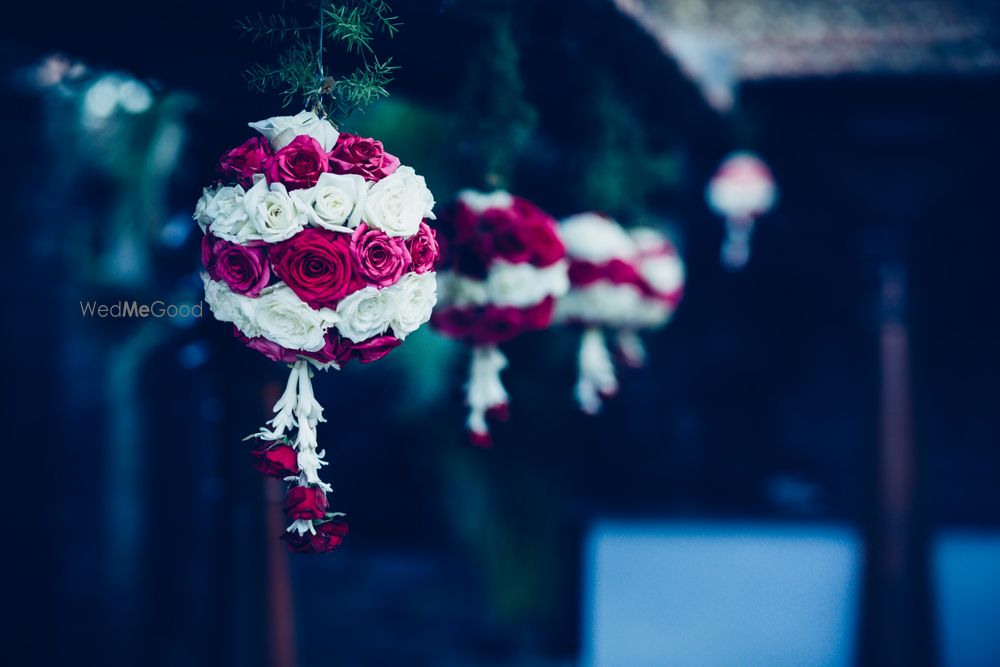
point(502, 268)
point(621, 281)
point(742, 187)
point(317, 251)
point(741, 190)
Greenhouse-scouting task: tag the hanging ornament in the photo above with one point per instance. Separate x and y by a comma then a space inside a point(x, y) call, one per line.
point(502, 268)
point(316, 250)
point(620, 281)
point(741, 190)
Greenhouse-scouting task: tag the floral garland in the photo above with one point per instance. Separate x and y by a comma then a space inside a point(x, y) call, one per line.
point(316, 249)
point(502, 268)
point(620, 280)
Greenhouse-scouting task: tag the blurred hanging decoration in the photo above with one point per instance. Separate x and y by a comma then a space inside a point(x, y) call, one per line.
point(741, 190)
point(316, 247)
point(503, 264)
point(625, 281)
point(502, 268)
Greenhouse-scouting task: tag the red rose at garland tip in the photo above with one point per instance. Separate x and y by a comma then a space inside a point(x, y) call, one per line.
point(316, 265)
point(247, 159)
point(329, 535)
point(275, 459)
point(362, 156)
point(303, 503)
point(297, 165)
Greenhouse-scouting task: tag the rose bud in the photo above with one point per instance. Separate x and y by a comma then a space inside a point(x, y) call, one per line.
point(305, 502)
point(329, 535)
point(499, 412)
point(275, 459)
point(481, 440)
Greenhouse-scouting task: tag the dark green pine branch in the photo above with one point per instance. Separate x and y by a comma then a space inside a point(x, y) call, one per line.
point(301, 71)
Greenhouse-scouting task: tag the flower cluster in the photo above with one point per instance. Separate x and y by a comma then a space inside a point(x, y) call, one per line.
point(620, 280)
point(502, 268)
point(316, 248)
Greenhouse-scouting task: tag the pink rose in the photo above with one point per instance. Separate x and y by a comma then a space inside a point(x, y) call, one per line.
point(380, 258)
point(375, 348)
point(335, 349)
point(329, 535)
point(539, 231)
point(247, 159)
point(305, 502)
point(316, 265)
point(268, 348)
point(524, 233)
point(297, 165)
point(424, 249)
point(510, 238)
point(244, 269)
point(362, 156)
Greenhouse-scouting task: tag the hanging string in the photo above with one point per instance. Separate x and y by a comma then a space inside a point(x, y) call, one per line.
point(319, 54)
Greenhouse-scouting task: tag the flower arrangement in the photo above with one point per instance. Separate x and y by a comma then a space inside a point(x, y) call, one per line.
point(502, 268)
point(620, 280)
point(316, 248)
point(741, 190)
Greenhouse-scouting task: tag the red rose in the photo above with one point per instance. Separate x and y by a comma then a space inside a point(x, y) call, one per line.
point(275, 459)
point(268, 348)
point(375, 348)
point(424, 249)
point(297, 165)
point(511, 239)
point(539, 232)
point(247, 159)
point(381, 259)
point(329, 535)
point(457, 323)
point(316, 265)
point(497, 325)
point(305, 502)
point(243, 268)
point(365, 157)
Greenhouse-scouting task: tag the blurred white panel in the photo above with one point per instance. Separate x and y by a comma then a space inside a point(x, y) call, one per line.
point(967, 579)
point(686, 594)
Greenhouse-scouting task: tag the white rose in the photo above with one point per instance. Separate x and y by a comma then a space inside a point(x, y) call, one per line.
point(282, 130)
point(664, 272)
point(365, 313)
point(413, 299)
point(459, 291)
point(284, 318)
point(273, 214)
point(603, 303)
point(336, 200)
point(398, 203)
point(481, 201)
point(523, 285)
point(223, 211)
point(227, 306)
point(596, 239)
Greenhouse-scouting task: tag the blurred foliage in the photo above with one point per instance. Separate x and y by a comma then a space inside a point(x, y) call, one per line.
point(495, 119)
